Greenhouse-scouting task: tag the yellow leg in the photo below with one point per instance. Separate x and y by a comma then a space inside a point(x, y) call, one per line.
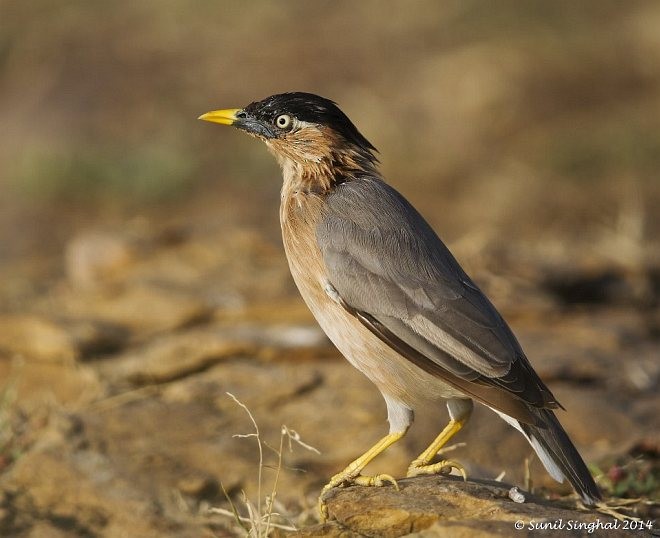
point(422, 464)
point(351, 474)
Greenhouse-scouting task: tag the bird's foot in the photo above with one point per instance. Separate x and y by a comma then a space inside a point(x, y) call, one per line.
point(418, 468)
point(346, 478)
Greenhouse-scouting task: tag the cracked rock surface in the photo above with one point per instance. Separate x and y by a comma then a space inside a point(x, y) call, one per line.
point(434, 507)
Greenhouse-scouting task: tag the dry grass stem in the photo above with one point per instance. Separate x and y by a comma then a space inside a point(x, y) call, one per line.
point(259, 522)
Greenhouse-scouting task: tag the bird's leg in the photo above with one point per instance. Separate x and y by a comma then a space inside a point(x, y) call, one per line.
point(459, 412)
point(422, 464)
point(351, 474)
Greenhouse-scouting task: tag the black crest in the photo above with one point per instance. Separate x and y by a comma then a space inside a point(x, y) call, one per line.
point(310, 108)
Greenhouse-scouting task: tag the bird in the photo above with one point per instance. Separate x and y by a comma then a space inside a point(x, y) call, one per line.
point(392, 298)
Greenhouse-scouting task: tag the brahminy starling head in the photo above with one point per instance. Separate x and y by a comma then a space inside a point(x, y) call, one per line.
point(303, 127)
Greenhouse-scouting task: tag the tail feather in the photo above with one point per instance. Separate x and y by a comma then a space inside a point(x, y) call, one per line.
point(559, 455)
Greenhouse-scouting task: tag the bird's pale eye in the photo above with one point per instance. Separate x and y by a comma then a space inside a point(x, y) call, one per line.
point(283, 121)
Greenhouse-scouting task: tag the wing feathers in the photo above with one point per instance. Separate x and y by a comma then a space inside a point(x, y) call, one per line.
point(387, 264)
point(490, 396)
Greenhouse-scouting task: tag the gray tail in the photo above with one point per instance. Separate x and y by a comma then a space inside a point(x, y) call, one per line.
point(559, 455)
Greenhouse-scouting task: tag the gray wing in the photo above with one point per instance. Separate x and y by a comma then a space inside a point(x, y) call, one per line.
point(392, 270)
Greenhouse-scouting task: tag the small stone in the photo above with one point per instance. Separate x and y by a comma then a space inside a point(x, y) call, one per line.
point(92, 337)
point(198, 486)
point(94, 257)
point(516, 496)
point(36, 337)
point(45, 529)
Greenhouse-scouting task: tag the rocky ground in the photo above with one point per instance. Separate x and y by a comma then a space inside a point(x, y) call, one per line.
point(115, 417)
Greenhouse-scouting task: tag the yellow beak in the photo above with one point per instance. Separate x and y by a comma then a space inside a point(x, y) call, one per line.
point(224, 117)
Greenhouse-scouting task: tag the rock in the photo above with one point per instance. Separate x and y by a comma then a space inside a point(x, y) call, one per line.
point(105, 503)
point(36, 337)
point(294, 336)
point(199, 486)
point(92, 258)
point(38, 385)
point(173, 357)
point(447, 507)
point(92, 337)
point(142, 309)
point(70, 483)
point(286, 342)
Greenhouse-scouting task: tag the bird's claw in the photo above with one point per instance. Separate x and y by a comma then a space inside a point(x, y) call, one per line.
point(345, 479)
point(376, 481)
point(442, 467)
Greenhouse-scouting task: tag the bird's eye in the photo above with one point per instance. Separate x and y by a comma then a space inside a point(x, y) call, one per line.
point(283, 121)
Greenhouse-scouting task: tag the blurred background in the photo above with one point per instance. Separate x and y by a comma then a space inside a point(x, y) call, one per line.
point(141, 271)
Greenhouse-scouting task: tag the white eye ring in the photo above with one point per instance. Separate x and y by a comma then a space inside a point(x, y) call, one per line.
point(283, 121)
